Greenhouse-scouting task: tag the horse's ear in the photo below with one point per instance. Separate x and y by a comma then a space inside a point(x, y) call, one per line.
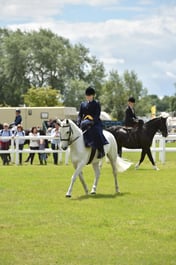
point(59, 122)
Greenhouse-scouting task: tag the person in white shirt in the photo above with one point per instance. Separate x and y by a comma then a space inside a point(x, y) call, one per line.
point(55, 142)
point(20, 142)
point(33, 144)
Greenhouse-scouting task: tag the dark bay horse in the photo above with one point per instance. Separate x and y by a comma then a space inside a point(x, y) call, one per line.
point(140, 137)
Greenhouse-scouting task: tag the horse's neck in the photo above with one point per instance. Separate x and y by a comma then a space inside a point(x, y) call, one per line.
point(153, 128)
point(77, 146)
point(77, 135)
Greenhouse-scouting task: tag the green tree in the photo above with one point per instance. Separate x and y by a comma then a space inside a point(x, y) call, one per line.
point(41, 59)
point(113, 98)
point(13, 83)
point(118, 89)
point(75, 93)
point(42, 97)
point(132, 85)
point(173, 105)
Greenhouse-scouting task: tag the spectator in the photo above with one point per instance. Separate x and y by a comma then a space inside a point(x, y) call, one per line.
point(55, 142)
point(20, 132)
point(5, 143)
point(18, 118)
point(42, 145)
point(33, 144)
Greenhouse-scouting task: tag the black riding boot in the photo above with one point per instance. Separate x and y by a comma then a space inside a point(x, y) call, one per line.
point(101, 152)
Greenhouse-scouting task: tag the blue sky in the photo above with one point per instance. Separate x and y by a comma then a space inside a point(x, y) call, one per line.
point(129, 35)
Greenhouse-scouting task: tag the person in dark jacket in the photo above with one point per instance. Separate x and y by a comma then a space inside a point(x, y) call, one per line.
point(131, 119)
point(18, 118)
point(90, 123)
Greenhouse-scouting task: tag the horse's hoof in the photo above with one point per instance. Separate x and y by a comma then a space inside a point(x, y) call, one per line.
point(156, 168)
point(137, 166)
point(68, 196)
point(93, 192)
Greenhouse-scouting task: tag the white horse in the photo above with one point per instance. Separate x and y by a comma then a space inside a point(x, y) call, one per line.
point(71, 135)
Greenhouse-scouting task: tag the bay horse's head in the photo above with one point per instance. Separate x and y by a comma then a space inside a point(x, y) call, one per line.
point(163, 126)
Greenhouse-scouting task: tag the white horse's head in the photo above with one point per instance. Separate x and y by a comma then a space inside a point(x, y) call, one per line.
point(69, 132)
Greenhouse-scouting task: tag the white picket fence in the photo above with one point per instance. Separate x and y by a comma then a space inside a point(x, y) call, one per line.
point(158, 146)
point(14, 150)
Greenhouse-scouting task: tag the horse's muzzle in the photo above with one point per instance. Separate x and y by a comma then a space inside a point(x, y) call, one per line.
point(64, 147)
point(165, 134)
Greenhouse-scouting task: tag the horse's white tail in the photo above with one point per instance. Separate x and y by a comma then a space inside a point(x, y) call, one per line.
point(123, 165)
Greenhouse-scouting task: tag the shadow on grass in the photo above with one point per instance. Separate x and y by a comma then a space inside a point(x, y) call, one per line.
point(101, 196)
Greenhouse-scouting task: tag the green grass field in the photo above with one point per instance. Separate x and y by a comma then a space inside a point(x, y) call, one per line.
point(39, 226)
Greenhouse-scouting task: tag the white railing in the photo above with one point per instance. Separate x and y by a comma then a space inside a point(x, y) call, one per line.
point(14, 148)
point(158, 145)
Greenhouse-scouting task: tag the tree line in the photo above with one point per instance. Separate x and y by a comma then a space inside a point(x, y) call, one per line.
point(40, 68)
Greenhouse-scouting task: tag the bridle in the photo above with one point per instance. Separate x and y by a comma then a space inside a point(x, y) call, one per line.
point(69, 135)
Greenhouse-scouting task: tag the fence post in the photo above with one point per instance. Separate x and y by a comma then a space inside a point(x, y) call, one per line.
point(17, 151)
point(162, 145)
point(13, 149)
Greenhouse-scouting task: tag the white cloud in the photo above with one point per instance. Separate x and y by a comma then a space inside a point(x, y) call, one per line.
point(172, 75)
point(144, 44)
point(25, 9)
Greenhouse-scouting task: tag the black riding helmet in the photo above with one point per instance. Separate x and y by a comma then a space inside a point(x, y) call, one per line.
point(90, 91)
point(131, 99)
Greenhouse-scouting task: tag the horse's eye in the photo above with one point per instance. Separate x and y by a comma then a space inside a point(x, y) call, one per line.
point(67, 132)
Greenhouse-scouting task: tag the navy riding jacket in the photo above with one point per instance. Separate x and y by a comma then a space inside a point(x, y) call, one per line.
point(94, 136)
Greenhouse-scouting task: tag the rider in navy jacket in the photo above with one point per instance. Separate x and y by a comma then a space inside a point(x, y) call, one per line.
point(89, 121)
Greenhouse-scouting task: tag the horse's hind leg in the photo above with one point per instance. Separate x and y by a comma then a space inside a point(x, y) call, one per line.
point(114, 170)
point(96, 168)
point(119, 148)
point(141, 159)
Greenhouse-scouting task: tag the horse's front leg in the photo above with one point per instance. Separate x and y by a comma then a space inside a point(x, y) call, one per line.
point(73, 178)
point(96, 168)
point(77, 172)
point(83, 182)
point(149, 154)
